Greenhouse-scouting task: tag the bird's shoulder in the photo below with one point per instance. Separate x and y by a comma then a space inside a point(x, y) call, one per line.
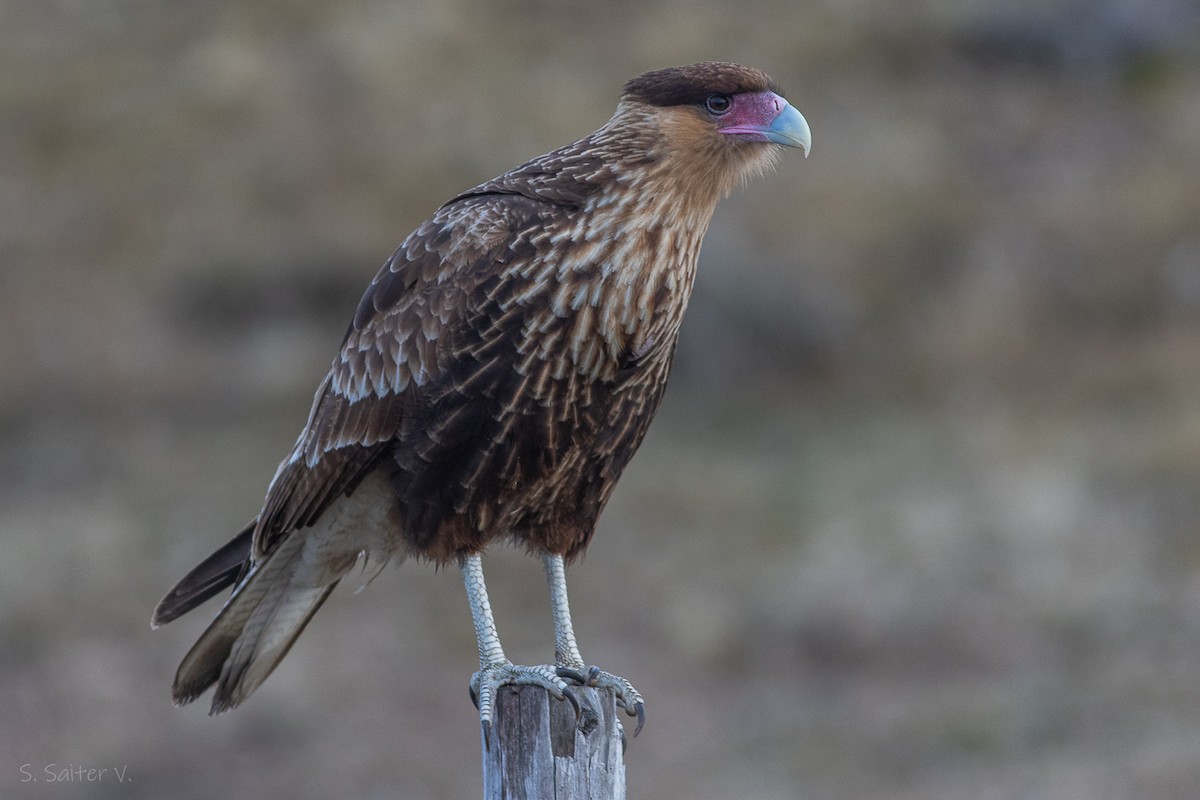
point(452, 273)
point(445, 279)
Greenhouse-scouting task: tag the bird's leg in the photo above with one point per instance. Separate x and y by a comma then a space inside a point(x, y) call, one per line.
point(495, 670)
point(566, 651)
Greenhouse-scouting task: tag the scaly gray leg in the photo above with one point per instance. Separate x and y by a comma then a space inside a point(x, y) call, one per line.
point(566, 652)
point(495, 670)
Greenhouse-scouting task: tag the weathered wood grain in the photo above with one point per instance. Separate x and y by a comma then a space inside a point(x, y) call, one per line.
point(537, 751)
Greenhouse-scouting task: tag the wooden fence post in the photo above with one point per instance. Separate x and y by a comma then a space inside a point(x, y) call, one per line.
point(536, 751)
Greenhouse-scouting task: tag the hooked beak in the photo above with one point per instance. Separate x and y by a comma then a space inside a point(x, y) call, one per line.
point(790, 129)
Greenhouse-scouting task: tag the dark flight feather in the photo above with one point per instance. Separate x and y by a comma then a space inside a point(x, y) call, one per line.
point(219, 571)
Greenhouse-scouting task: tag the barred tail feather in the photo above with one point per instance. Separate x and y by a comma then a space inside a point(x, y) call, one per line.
point(254, 631)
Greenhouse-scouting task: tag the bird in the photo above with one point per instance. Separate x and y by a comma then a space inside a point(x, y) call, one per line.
point(497, 376)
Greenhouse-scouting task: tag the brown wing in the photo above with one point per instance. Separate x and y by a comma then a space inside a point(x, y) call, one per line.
point(429, 329)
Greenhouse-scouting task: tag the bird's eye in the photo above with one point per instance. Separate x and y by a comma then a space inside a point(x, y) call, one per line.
point(717, 104)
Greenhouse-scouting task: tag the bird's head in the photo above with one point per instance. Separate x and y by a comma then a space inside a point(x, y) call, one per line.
point(715, 120)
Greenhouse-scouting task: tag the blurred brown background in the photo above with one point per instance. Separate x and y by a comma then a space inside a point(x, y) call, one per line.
point(918, 519)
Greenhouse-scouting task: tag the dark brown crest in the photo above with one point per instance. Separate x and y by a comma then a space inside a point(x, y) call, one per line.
point(676, 86)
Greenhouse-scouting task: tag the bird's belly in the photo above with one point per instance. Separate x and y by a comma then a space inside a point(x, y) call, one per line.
point(539, 471)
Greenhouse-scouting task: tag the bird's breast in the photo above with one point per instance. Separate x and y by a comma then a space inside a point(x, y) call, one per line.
point(599, 304)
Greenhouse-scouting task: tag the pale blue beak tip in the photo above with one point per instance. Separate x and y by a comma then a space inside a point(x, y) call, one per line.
point(790, 129)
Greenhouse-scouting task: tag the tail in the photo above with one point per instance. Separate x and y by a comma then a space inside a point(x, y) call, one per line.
point(221, 569)
point(255, 629)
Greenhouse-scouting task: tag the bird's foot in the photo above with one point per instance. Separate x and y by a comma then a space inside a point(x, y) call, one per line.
point(628, 697)
point(485, 683)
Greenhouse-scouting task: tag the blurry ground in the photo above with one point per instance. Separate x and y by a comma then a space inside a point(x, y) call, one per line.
point(920, 515)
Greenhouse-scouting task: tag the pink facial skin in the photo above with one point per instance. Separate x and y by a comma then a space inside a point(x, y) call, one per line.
point(765, 117)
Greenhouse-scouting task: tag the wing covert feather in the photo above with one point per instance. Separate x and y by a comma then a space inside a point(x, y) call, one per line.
point(431, 324)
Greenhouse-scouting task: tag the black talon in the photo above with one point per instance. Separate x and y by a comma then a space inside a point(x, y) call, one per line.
point(570, 674)
point(640, 710)
point(567, 693)
point(474, 697)
point(487, 734)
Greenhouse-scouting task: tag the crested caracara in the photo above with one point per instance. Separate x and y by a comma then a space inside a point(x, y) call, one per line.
point(499, 373)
